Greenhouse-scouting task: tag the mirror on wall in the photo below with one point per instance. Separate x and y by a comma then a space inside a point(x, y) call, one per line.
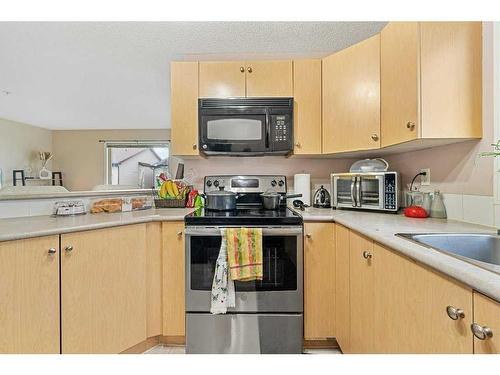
point(39, 161)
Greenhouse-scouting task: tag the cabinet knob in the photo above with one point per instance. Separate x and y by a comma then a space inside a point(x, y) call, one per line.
point(242, 69)
point(375, 137)
point(308, 235)
point(69, 248)
point(481, 332)
point(52, 251)
point(367, 255)
point(410, 125)
point(195, 146)
point(179, 234)
point(249, 69)
point(297, 144)
point(455, 313)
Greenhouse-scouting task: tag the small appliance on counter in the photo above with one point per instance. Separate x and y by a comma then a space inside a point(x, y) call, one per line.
point(322, 198)
point(69, 208)
point(368, 186)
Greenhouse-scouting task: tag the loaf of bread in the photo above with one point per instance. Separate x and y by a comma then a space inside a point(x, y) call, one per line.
point(106, 205)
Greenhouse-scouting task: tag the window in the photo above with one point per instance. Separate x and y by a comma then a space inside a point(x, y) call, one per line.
point(135, 163)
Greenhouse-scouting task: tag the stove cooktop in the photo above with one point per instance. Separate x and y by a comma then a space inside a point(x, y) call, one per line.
point(244, 216)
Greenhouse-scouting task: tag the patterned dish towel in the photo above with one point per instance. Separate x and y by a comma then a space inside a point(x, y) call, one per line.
point(223, 293)
point(244, 249)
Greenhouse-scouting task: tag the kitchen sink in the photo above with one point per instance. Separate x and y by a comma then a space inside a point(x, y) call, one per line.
point(482, 250)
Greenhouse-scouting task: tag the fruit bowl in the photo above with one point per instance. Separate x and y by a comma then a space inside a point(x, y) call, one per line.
point(172, 194)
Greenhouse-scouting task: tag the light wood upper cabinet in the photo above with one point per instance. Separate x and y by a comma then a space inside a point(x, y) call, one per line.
point(351, 98)
point(173, 279)
point(487, 318)
point(103, 289)
point(224, 79)
point(184, 108)
point(411, 308)
point(269, 78)
point(431, 81)
point(307, 106)
point(362, 294)
point(399, 83)
point(154, 279)
point(319, 281)
point(342, 301)
point(29, 296)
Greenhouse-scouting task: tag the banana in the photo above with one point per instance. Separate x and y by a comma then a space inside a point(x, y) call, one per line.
point(175, 190)
point(170, 189)
point(163, 190)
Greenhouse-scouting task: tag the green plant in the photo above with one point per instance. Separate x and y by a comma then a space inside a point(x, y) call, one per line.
point(494, 153)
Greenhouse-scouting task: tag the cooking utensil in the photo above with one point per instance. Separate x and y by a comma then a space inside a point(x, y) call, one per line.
point(297, 203)
point(272, 200)
point(220, 200)
point(321, 198)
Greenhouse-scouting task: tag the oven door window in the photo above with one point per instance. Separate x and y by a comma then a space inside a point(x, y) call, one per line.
point(371, 188)
point(279, 264)
point(345, 186)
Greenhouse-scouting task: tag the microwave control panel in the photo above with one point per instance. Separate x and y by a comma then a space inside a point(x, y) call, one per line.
point(391, 191)
point(281, 132)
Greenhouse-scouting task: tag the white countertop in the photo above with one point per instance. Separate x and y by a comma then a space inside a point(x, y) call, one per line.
point(381, 227)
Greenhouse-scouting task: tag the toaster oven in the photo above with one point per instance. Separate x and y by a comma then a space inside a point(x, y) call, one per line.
point(369, 191)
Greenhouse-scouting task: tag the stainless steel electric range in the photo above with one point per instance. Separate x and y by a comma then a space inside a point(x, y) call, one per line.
point(268, 316)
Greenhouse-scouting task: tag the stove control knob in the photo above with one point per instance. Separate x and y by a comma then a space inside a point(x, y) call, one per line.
point(216, 183)
point(273, 183)
point(281, 183)
point(209, 183)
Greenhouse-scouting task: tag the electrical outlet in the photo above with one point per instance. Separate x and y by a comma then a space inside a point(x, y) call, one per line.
point(425, 180)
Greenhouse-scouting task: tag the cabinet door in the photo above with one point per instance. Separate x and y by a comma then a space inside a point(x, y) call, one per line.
point(307, 107)
point(269, 78)
point(342, 302)
point(487, 316)
point(29, 296)
point(362, 293)
point(319, 281)
point(411, 308)
point(224, 79)
point(351, 98)
point(184, 108)
point(173, 279)
point(399, 55)
point(103, 282)
point(153, 279)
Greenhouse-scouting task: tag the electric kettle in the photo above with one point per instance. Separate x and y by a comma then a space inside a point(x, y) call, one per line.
point(322, 198)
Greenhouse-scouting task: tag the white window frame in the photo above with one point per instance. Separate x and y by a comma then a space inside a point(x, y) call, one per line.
point(126, 144)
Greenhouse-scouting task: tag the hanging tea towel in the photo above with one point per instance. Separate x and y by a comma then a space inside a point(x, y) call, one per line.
point(223, 293)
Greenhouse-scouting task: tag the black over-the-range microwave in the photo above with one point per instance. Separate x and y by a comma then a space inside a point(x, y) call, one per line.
point(245, 126)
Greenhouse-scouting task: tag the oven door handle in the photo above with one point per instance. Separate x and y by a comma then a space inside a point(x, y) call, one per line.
point(358, 191)
point(353, 196)
point(215, 231)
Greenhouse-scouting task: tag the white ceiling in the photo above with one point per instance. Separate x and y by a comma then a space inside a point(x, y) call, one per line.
point(115, 75)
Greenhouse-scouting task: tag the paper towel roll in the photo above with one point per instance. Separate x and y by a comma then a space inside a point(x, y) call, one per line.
point(302, 185)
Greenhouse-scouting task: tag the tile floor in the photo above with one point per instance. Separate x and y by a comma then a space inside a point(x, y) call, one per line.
point(163, 349)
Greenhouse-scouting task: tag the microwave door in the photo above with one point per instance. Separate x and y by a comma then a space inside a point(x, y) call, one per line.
point(345, 191)
point(370, 192)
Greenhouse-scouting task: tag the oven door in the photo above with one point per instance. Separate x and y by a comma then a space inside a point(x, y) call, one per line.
point(234, 132)
point(370, 191)
point(344, 190)
point(280, 290)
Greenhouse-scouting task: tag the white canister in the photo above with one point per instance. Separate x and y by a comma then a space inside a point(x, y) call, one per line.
point(302, 185)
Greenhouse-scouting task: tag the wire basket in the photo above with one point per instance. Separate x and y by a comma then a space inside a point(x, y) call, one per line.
point(168, 203)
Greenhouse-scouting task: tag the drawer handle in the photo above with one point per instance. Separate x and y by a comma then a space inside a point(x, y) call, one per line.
point(195, 146)
point(410, 125)
point(297, 144)
point(375, 137)
point(68, 248)
point(179, 234)
point(481, 332)
point(52, 251)
point(455, 313)
point(367, 255)
point(308, 235)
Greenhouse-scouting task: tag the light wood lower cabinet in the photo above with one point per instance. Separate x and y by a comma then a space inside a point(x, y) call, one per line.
point(154, 279)
point(29, 296)
point(411, 304)
point(342, 299)
point(487, 318)
point(319, 281)
point(362, 257)
point(103, 289)
point(173, 279)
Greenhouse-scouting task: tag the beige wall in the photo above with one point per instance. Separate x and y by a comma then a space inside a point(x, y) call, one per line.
point(80, 155)
point(19, 145)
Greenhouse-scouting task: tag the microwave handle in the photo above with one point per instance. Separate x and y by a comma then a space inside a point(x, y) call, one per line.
point(358, 191)
point(268, 131)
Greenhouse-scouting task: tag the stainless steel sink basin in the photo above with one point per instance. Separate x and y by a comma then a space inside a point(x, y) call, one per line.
point(482, 250)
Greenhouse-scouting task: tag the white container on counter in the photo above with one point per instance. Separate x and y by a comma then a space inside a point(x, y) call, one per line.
point(302, 185)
